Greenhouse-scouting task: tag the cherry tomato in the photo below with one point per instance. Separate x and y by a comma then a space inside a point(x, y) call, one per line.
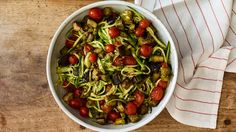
point(117, 43)
point(162, 84)
point(93, 57)
point(106, 108)
point(157, 94)
point(146, 50)
point(102, 102)
point(75, 103)
point(84, 111)
point(113, 116)
point(131, 108)
point(114, 32)
point(144, 23)
point(88, 47)
point(129, 60)
point(96, 14)
point(110, 48)
point(118, 61)
point(69, 43)
point(164, 65)
point(78, 92)
point(73, 59)
point(139, 98)
point(139, 32)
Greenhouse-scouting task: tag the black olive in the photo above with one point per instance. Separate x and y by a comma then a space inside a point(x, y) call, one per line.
point(76, 71)
point(110, 20)
point(64, 50)
point(116, 78)
point(86, 77)
point(122, 50)
point(137, 79)
point(63, 61)
point(154, 66)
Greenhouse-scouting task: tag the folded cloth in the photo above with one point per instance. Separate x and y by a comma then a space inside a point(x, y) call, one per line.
point(204, 32)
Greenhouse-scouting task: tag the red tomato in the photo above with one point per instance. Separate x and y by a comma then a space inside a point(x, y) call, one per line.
point(118, 61)
point(117, 43)
point(106, 108)
point(131, 108)
point(139, 98)
point(78, 92)
point(96, 14)
point(157, 94)
point(102, 102)
point(162, 84)
point(114, 32)
point(75, 103)
point(113, 116)
point(164, 65)
point(88, 47)
point(144, 23)
point(110, 48)
point(93, 57)
point(139, 32)
point(69, 43)
point(84, 111)
point(146, 50)
point(129, 60)
point(73, 59)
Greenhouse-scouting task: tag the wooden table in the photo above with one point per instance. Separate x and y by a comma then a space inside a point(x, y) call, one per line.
point(26, 104)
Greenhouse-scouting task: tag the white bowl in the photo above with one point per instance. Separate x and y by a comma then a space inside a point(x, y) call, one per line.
point(58, 42)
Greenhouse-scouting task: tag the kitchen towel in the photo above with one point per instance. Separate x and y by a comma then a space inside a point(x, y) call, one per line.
point(204, 32)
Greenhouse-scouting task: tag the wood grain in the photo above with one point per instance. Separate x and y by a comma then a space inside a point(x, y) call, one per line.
point(26, 104)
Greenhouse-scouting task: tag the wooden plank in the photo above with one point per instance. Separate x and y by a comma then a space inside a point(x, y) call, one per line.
point(26, 104)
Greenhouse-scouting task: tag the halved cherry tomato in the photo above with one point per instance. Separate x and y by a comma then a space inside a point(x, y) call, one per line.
point(88, 47)
point(96, 14)
point(69, 43)
point(78, 92)
point(118, 61)
point(110, 48)
point(113, 116)
point(84, 111)
point(73, 59)
point(139, 32)
point(139, 98)
point(129, 60)
point(146, 50)
point(157, 94)
point(114, 32)
point(93, 57)
point(75, 103)
point(131, 108)
point(106, 108)
point(144, 23)
point(162, 84)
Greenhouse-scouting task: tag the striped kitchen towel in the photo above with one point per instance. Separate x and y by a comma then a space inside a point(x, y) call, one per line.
point(204, 32)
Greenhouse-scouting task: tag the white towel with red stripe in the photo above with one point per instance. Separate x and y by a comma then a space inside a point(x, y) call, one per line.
point(204, 32)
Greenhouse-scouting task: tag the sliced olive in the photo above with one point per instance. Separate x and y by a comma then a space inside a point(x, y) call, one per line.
point(64, 50)
point(133, 118)
point(67, 97)
point(107, 11)
point(143, 109)
point(116, 78)
point(63, 61)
